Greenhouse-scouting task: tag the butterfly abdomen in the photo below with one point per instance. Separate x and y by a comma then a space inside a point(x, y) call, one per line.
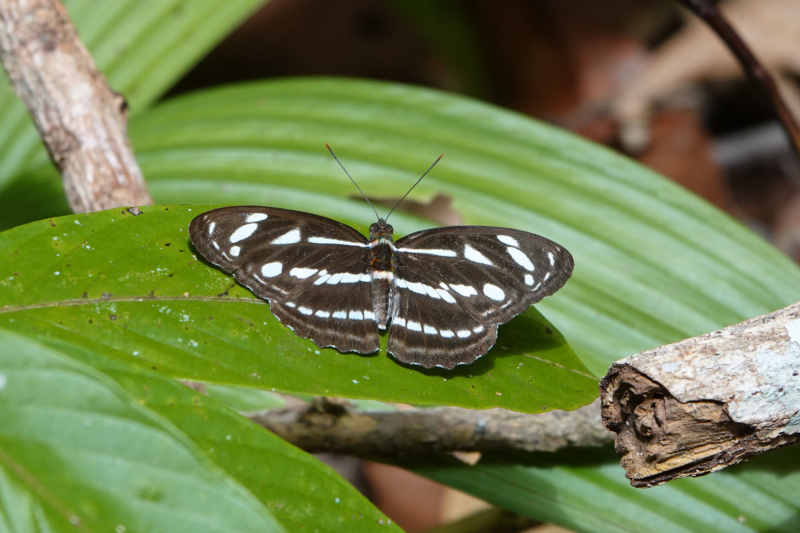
point(382, 264)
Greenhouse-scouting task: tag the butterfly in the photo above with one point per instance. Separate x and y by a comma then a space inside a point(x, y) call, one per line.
point(441, 292)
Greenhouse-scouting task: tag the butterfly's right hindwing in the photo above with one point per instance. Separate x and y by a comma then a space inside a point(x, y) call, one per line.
point(314, 271)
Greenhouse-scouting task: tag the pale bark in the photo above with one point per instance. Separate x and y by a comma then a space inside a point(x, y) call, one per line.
point(82, 122)
point(699, 405)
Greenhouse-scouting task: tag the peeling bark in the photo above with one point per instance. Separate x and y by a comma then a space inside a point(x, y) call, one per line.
point(700, 405)
point(329, 425)
point(82, 122)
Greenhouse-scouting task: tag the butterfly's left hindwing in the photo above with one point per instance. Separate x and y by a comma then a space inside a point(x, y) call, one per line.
point(314, 271)
point(453, 286)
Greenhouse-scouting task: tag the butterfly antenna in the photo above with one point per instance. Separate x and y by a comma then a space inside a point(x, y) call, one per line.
point(412, 187)
point(354, 181)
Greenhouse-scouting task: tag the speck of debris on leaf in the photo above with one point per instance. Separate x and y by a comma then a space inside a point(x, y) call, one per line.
point(112, 317)
point(134, 211)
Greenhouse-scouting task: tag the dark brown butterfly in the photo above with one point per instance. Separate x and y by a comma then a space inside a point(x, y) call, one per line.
point(441, 292)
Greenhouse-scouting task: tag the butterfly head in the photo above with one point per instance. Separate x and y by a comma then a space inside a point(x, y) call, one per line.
point(381, 230)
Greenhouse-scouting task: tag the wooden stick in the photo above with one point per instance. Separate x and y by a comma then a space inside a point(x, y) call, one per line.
point(705, 403)
point(329, 425)
point(82, 122)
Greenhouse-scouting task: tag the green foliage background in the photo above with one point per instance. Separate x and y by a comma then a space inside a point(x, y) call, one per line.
point(99, 314)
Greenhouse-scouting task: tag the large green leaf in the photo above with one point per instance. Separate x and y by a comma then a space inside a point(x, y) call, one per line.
point(142, 46)
point(654, 264)
point(78, 453)
point(75, 422)
point(131, 287)
point(301, 492)
point(587, 491)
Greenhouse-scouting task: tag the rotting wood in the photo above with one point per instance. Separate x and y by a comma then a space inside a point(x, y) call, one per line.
point(705, 403)
point(82, 122)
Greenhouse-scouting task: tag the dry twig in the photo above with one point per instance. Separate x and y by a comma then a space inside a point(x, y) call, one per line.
point(333, 426)
point(761, 79)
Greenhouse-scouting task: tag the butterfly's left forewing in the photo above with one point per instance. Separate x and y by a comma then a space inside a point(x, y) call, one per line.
point(314, 271)
point(453, 286)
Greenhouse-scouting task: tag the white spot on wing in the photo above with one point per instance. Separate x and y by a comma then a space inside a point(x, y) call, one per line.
point(429, 330)
point(475, 256)
point(356, 315)
point(528, 279)
point(340, 314)
point(336, 278)
point(399, 321)
point(505, 239)
point(243, 232)
point(322, 314)
point(446, 333)
point(270, 270)
point(439, 253)
point(326, 240)
point(290, 237)
point(520, 258)
point(322, 279)
point(290, 304)
point(552, 258)
point(351, 278)
point(414, 326)
point(369, 315)
point(383, 274)
point(235, 251)
point(494, 292)
point(446, 296)
point(303, 273)
point(419, 288)
point(463, 333)
point(255, 217)
point(431, 292)
point(211, 226)
point(305, 310)
point(479, 329)
point(464, 290)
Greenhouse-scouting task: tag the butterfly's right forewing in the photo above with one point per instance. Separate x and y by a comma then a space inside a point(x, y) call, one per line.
point(314, 271)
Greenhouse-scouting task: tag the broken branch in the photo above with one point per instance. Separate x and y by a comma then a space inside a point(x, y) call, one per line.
point(705, 403)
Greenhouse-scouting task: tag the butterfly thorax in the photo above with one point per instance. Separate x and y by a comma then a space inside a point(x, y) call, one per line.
point(381, 247)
